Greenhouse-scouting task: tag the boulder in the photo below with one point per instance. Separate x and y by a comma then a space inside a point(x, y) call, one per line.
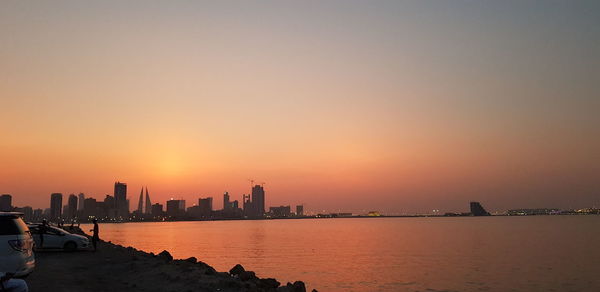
point(192, 260)
point(269, 283)
point(237, 269)
point(247, 275)
point(298, 286)
point(165, 255)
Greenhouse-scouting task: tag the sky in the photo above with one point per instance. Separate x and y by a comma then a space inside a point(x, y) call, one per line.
point(397, 106)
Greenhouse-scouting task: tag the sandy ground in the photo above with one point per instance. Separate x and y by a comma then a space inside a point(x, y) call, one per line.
point(116, 268)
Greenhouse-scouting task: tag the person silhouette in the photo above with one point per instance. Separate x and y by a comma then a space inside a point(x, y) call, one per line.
point(43, 229)
point(95, 231)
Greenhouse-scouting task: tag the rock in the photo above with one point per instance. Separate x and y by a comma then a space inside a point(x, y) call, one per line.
point(191, 260)
point(269, 283)
point(210, 271)
point(165, 255)
point(237, 269)
point(229, 283)
point(299, 286)
point(247, 275)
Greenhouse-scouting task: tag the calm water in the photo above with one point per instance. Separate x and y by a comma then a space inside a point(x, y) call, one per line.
point(537, 253)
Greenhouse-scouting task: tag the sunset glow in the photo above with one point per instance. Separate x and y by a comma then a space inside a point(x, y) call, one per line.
point(401, 108)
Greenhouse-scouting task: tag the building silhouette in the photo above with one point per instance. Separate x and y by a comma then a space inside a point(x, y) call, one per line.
point(478, 210)
point(37, 214)
point(90, 208)
point(27, 212)
point(258, 200)
point(175, 208)
point(226, 204)
point(205, 207)
point(56, 206)
point(72, 206)
point(140, 208)
point(299, 210)
point(281, 211)
point(157, 210)
point(121, 203)
point(148, 203)
point(6, 203)
point(80, 199)
point(254, 206)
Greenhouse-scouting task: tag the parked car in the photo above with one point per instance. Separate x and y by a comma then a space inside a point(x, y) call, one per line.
point(16, 245)
point(56, 238)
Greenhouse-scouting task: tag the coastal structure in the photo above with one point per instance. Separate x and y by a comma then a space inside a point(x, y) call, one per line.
point(478, 210)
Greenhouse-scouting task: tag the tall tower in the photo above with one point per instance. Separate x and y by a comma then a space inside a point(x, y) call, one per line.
point(121, 199)
point(148, 203)
point(140, 208)
point(55, 206)
point(80, 199)
point(226, 204)
point(258, 200)
point(72, 207)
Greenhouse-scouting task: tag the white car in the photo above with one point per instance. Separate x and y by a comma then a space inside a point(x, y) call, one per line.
point(16, 245)
point(56, 238)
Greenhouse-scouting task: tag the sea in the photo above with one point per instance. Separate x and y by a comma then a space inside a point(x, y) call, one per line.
point(498, 253)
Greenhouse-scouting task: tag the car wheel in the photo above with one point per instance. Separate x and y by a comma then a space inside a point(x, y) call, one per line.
point(70, 246)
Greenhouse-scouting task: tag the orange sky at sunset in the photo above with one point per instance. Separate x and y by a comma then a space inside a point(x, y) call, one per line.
point(403, 108)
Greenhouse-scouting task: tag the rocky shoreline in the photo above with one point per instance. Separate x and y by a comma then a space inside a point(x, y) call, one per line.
point(118, 268)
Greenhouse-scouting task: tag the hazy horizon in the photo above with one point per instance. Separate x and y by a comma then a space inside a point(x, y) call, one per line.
point(396, 106)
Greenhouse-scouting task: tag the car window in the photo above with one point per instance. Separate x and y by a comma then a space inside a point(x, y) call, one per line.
point(12, 226)
point(53, 231)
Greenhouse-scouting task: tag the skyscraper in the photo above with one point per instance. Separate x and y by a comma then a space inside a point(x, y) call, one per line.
point(140, 208)
point(72, 206)
point(258, 200)
point(121, 204)
point(226, 204)
point(247, 204)
point(6, 203)
point(205, 207)
point(56, 206)
point(175, 207)
point(148, 203)
point(80, 199)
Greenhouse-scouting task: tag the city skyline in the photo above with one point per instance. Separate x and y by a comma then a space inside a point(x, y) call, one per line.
point(399, 106)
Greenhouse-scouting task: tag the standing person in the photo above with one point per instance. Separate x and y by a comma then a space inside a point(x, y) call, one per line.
point(43, 229)
point(95, 231)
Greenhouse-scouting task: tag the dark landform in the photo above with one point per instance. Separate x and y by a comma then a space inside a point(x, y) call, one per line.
point(118, 268)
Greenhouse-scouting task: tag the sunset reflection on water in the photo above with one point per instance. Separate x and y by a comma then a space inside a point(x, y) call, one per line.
point(388, 254)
